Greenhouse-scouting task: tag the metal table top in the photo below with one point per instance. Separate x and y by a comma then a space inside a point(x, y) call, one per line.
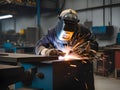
point(17, 57)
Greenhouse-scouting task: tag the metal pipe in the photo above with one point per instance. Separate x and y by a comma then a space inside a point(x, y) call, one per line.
point(110, 13)
point(14, 23)
point(38, 13)
point(98, 7)
point(38, 21)
point(103, 13)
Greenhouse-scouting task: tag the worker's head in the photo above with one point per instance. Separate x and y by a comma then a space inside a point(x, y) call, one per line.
point(69, 21)
point(69, 15)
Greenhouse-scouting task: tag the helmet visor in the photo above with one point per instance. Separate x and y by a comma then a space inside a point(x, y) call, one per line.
point(70, 26)
point(65, 35)
point(67, 31)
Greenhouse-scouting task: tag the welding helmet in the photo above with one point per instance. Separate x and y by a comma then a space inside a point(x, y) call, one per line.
point(69, 21)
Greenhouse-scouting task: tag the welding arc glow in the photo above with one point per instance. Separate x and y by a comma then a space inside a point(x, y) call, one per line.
point(73, 55)
point(70, 56)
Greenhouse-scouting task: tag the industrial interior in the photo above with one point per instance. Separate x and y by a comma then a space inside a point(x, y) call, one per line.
point(29, 20)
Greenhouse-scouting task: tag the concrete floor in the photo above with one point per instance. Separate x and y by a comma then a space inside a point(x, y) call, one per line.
point(101, 83)
point(106, 83)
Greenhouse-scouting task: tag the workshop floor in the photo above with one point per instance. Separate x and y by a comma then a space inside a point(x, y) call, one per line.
point(106, 83)
point(102, 83)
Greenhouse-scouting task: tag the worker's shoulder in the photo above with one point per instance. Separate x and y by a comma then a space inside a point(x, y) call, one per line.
point(83, 27)
point(52, 29)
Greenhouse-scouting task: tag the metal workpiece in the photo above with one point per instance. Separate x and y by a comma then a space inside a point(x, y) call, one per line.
point(24, 58)
point(65, 75)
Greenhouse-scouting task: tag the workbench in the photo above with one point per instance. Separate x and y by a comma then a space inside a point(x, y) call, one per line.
point(115, 56)
point(16, 58)
point(10, 74)
point(28, 61)
point(49, 73)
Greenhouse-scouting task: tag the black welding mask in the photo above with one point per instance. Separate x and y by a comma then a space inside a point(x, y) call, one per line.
point(69, 21)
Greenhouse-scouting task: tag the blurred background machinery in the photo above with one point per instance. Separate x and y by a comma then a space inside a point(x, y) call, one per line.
point(22, 41)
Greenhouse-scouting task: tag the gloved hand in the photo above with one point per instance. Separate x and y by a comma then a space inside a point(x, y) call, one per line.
point(52, 52)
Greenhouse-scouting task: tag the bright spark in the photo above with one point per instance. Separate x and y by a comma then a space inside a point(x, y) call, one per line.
point(73, 55)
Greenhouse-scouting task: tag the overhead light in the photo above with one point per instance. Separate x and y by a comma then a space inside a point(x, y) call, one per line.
point(6, 16)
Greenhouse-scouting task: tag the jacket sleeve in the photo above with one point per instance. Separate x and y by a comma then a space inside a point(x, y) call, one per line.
point(44, 42)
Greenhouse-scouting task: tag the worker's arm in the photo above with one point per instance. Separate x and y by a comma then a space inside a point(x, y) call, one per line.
point(45, 46)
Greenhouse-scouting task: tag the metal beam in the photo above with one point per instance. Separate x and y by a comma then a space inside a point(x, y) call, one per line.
point(98, 7)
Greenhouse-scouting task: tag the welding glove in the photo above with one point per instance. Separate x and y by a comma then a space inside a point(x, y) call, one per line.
point(50, 52)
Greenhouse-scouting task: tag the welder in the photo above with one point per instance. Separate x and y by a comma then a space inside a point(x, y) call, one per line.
point(69, 33)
